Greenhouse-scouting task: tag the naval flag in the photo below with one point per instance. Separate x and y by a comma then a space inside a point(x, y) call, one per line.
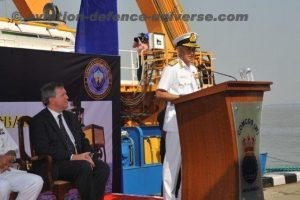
point(97, 27)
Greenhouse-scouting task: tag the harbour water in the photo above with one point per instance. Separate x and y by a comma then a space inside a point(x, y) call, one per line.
point(280, 135)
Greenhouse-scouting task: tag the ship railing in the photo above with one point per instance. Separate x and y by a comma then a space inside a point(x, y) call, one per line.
point(129, 65)
point(152, 62)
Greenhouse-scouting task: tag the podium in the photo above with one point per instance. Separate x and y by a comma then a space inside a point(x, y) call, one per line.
point(219, 129)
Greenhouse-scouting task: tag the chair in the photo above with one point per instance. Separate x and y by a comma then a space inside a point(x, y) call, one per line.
point(96, 137)
point(58, 187)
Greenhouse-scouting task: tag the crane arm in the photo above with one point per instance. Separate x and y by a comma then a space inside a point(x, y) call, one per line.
point(37, 9)
point(159, 18)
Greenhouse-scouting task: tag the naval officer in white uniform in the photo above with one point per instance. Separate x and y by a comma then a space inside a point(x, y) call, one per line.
point(27, 185)
point(178, 78)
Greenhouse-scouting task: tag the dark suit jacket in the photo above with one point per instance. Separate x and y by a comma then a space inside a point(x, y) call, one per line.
point(46, 138)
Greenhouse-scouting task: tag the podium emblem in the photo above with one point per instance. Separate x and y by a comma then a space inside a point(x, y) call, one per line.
point(249, 163)
point(247, 117)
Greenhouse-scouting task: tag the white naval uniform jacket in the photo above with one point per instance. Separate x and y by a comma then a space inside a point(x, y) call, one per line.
point(6, 141)
point(178, 79)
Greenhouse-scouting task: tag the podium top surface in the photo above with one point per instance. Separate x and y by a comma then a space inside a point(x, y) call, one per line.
point(227, 86)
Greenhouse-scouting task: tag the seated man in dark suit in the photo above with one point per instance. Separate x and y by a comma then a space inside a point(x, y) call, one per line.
point(58, 133)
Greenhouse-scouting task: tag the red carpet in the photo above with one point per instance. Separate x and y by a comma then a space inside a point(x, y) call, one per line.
point(129, 197)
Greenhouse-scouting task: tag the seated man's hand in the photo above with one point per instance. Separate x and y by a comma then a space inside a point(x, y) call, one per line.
point(84, 156)
point(5, 162)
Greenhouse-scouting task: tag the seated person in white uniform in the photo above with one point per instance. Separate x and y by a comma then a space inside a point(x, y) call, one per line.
point(27, 185)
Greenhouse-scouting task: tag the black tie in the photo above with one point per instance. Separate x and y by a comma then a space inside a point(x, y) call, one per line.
point(68, 141)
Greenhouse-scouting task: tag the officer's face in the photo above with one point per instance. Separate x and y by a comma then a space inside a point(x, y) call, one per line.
point(187, 54)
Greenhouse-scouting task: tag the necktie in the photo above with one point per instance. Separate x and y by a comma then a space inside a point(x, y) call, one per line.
point(68, 141)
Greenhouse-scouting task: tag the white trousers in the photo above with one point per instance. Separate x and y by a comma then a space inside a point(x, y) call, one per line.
point(171, 166)
point(26, 184)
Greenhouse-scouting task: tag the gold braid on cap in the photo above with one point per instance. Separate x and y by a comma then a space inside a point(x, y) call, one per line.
point(193, 37)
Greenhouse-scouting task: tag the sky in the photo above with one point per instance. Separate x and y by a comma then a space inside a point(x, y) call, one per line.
point(268, 42)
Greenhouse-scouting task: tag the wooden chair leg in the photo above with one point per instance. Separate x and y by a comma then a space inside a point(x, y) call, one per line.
point(60, 189)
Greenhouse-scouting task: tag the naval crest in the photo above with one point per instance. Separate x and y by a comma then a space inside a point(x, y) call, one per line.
point(97, 79)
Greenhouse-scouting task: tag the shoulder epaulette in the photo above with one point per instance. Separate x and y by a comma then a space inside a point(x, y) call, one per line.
point(173, 62)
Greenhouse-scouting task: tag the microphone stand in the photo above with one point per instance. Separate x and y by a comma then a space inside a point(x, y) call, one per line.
point(225, 75)
point(209, 73)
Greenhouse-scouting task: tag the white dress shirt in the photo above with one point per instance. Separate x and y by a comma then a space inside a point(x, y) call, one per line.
point(55, 115)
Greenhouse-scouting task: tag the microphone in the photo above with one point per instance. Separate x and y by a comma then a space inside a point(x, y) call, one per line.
point(215, 72)
point(208, 73)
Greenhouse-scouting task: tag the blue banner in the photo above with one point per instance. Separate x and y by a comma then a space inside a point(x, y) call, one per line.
point(97, 27)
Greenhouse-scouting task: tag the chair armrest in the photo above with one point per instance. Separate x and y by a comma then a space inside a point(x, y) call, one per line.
point(48, 178)
point(28, 163)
